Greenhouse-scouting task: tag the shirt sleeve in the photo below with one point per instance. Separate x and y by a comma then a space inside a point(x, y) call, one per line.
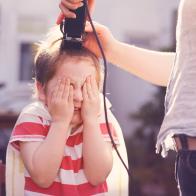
point(106, 135)
point(28, 127)
point(113, 127)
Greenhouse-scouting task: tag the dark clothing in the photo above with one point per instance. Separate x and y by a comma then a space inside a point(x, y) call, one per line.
point(186, 168)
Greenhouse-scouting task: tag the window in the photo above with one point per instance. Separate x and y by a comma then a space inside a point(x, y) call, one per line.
point(0, 19)
point(26, 61)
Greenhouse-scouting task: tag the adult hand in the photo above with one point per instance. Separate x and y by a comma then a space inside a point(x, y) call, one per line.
point(105, 36)
point(67, 5)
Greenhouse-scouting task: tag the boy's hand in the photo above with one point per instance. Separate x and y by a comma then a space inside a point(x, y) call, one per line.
point(91, 100)
point(60, 102)
point(67, 5)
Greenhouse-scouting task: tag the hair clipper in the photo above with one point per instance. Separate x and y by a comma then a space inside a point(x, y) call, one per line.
point(73, 29)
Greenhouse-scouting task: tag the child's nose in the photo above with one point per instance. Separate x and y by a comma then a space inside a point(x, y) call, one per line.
point(78, 97)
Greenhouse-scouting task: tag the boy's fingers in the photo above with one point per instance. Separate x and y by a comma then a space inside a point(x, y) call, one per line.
point(49, 98)
point(70, 98)
point(55, 91)
point(66, 89)
point(84, 90)
point(94, 85)
point(61, 88)
point(89, 87)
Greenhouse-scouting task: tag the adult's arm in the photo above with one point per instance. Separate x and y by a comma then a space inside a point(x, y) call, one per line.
point(152, 66)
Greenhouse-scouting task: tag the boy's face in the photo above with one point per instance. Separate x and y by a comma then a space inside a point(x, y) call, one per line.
point(77, 71)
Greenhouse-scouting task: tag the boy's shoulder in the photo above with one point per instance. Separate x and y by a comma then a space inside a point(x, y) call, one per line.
point(36, 112)
point(36, 108)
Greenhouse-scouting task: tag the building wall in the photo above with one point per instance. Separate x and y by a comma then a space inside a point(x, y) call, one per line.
point(26, 22)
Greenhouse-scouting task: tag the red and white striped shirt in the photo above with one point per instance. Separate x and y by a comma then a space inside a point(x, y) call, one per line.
point(33, 124)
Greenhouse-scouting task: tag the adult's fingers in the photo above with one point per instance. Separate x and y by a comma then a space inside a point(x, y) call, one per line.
point(98, 27)
point(67, 5)
point(91, 5)
point(60, 18)
point(67, 13)
point(72, 1)
point(72, 5)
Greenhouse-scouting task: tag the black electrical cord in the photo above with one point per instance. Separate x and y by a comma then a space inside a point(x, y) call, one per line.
point(104, 90)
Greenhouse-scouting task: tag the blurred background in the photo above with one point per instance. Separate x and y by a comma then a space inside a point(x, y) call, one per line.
point(137, 105)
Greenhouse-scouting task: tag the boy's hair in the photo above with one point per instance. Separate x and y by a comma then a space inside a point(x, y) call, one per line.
point(49, 57)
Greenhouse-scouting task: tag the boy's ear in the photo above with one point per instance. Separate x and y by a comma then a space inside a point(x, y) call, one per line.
point(41, 91)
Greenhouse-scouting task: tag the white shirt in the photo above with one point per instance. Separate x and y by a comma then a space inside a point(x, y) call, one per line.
point(180, 100)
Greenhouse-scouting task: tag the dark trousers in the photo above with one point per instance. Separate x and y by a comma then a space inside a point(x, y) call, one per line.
point(186, 168)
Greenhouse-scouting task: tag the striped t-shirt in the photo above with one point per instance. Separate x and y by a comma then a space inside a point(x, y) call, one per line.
point(33, 124)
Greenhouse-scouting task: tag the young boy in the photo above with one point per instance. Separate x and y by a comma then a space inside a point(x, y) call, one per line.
point(62, 138)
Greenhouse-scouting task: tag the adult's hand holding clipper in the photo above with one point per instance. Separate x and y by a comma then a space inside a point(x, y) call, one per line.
point(73, 28)
point(106, 38)
point(68, 6)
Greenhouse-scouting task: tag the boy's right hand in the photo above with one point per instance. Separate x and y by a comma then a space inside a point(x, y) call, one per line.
point(67, 5)
point(60, 102)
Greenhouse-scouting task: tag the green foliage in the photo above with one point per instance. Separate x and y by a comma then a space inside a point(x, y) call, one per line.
point(151, 174)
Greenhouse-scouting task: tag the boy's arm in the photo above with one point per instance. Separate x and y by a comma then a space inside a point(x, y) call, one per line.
point(152, 66)
point(97, 153)
point(43, 159)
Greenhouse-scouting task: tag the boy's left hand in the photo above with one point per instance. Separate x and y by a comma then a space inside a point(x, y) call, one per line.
point(91, 100)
